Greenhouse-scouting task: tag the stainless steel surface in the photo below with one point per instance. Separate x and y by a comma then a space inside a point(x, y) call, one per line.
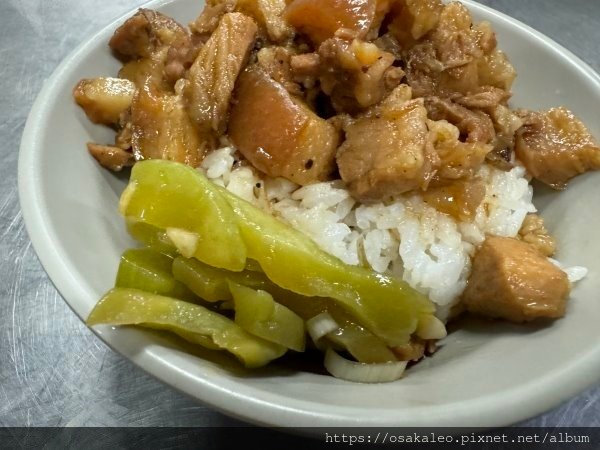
point(53, 370)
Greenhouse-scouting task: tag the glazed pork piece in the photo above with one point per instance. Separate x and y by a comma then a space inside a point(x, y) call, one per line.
point(534, 232)
point(161, 128)
point(386, 152)
point(320, 19)
point(278, 133)
point(144, 33)
point(147, 43)
point(458, 69)
point(211, 15)
point(355, 74)
point(555, 146)
point(104, 99)
point(113, 158)
point(389, 151)
point(413, 19)
point(267, 13)
point(154, 48)
point(212, 77)
point(459, 199)
point(150, 70)
point(511, 280)
point(458, 159)
point(456, 57)
point(475, 126)
point(276, 61)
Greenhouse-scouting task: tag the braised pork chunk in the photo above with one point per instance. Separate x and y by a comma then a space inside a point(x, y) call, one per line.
point(555, 146)
point(278, 133)
point(212, 77)
point(511, 280)
point(387, 154)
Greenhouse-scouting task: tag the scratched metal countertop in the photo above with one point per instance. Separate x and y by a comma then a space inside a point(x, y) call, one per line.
point(53, 370)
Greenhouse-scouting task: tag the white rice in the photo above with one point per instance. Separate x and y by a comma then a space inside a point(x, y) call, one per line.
point(429, 250)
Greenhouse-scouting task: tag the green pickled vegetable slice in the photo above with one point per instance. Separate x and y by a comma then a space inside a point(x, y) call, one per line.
point(192, 322)
point(257, 313)
point(229, 230)
point(150, 236)
point(149, 270)
point(179, 200)
point(210, 283)
point(388, 307)
point(362, 344)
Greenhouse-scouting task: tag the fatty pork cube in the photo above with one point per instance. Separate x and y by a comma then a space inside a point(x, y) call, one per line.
point(457, 159)
point(555, 146)
point(112, 158)
point(356, 74)
point(320, 19)
point(269, 14)
point(154, 49)
point(511, 280)
point(212, 77)
point(458, 198)
point(143, 33)
point(413, 19)
point(475, 125)
point(104, 99)
point(278, 133)
point(534, 232)
point(386, 154)
point(161, 129)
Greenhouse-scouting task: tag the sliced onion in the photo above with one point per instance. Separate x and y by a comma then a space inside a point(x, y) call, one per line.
point(348, 370)
point(431, 327)
point(320, 325)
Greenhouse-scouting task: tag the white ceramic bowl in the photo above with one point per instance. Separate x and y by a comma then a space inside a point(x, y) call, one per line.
point(484, 376)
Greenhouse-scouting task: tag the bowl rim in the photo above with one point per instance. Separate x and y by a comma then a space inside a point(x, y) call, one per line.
point(268, 409)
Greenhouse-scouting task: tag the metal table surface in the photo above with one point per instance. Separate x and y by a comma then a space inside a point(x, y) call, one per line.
point(53, 370)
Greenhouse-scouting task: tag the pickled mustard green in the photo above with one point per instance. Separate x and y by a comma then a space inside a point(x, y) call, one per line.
point(150, 236)
point(257, 313)
point(168, 194)
point(151, 271)
point(362, 344)
point(192, 322)
point(212, 284)
point(388, 307)
point(174, 196)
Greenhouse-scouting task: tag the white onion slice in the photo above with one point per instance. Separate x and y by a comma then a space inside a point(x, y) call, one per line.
point(320, 325)
point(348, 370)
